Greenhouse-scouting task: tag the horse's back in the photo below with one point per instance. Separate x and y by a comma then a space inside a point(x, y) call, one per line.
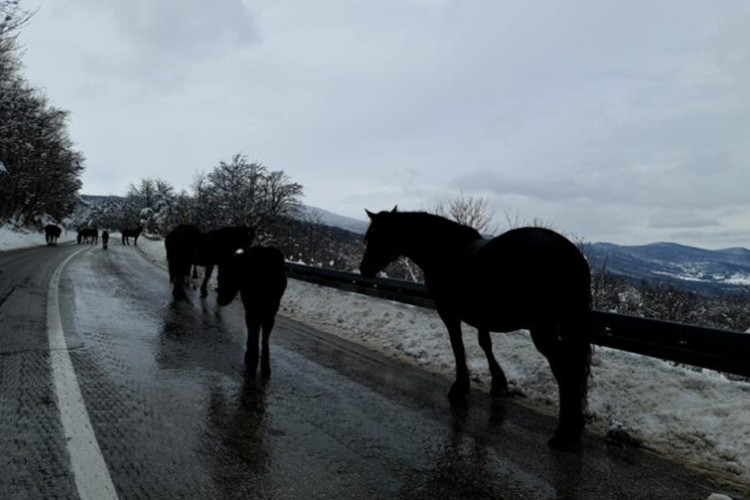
point(263, 273)
point(265, 264)
point(534, 249)
point(522, 276)
point(224, 242)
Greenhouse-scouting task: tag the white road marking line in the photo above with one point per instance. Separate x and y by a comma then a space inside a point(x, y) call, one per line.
point(91, 474)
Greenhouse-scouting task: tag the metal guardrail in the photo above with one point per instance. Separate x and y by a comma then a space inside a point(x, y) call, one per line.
point(720, 350)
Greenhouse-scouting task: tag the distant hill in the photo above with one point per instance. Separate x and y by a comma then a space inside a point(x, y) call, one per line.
point(335, 220)
point(707, 271)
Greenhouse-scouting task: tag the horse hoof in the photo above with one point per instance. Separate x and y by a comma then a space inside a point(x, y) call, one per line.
point(457, 397)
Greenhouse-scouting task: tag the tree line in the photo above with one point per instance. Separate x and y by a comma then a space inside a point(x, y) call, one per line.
point(40, 168)
point(233, 193)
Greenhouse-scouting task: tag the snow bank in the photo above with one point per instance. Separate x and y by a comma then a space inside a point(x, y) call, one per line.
point(11, 238)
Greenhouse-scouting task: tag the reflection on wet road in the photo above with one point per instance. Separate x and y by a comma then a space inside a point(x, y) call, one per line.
point(176, 417)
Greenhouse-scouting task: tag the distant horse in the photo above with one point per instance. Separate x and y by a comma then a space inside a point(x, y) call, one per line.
point(259, 274)
point(132, 232)
point(51, 233)
point(530, 278)
point(218, 245)
point(105, 239)
point(89, 235)
point(182, 245)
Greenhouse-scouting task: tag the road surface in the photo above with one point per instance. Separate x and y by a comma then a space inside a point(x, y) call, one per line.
point(110, 389)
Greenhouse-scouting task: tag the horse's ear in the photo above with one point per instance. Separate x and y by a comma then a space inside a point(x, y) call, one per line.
point(395, 207)
point(370, 214)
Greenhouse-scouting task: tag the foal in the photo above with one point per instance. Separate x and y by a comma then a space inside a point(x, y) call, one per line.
point(259, 274)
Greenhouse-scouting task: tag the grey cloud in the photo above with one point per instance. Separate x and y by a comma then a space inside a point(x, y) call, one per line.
point(676, 219)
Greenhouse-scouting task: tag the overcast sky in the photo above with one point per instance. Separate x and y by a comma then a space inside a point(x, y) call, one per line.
point(626, 122)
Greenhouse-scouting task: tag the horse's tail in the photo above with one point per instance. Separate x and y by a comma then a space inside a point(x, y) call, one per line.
point(575, 335)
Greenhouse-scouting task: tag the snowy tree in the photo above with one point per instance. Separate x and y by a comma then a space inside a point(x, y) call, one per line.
point(238, 193)
point(41, 169)
point(153, 204)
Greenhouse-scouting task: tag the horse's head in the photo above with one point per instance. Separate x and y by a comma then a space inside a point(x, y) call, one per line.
point(228, 279)
point(382, 243)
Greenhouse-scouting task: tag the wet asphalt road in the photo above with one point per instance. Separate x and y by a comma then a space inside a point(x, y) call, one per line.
point(175, 416)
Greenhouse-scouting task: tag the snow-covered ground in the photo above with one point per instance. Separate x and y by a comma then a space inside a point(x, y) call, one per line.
point(700, 419)
point(10, 239)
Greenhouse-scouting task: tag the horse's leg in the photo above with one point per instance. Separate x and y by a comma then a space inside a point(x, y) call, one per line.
point(177, 272)
point(253, 334)
point(206, 277)
point(195, 271)
point(576, 364)
point(178, 289)
point(499, 382)
point(265, 362)
point(566, 370)
point(460, 387)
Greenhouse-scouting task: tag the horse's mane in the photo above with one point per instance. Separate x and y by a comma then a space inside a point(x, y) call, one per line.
point(430, 224)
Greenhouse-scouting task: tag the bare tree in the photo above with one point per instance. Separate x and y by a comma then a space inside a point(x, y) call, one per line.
point(40, 170)
point(12, 16)
point(242, 193)
point(470, 211)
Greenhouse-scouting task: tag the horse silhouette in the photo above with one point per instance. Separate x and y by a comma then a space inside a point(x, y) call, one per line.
point(52, 233)
point(527, 278)
point(88, 236)
point(259, 275)
point(105, 239)
point(218, 245)
point(182, 244)
point(132, 232)
point(186, 247)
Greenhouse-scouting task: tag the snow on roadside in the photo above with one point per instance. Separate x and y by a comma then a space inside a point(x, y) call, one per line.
point(11, 239)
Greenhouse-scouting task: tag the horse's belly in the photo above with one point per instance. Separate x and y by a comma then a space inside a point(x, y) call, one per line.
point(504, 312)
point(496, 320)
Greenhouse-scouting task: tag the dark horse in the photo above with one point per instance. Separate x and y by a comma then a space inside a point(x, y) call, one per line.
point(89, 235)
point(530, 278)
point(259, 274)
point(218, 245)
point(186, 246)
point(182, 245)
point(51, 233)
point(105, 239)
point(132, 232)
